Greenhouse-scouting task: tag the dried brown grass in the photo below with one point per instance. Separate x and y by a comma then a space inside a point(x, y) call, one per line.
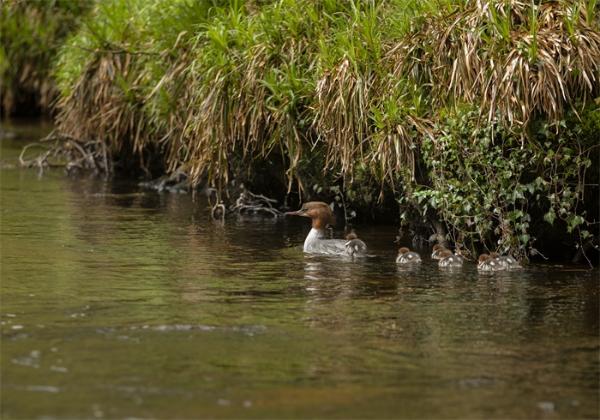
point(103, 106)
point(516, 63)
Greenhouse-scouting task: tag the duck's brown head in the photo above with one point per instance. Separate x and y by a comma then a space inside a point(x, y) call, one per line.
point(319, 212)
point(403, 250)
point(483, 258)
point(445, 253)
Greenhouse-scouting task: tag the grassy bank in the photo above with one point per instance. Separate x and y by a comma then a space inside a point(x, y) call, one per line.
point(479, 118)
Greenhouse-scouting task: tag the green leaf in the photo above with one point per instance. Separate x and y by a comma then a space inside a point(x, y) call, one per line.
point(573, 222)
point(550, 216)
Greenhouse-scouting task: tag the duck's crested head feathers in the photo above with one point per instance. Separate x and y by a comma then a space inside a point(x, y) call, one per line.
point(484, 258)
point(445, 253)
point(318, 211)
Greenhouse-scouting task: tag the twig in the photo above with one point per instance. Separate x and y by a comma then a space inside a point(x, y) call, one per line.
point(88, 156)
point(221, 216)
point(38, 161)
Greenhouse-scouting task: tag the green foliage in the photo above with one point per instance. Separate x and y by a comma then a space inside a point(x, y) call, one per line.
point(488, 185)
point(31, 33)
point(477, 183)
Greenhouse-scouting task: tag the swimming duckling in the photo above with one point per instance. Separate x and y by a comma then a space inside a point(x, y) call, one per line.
point(448, 259)
point(406, 256)
point(354, 246)
point(436, 251)
point(507, 261)
point(488, 263)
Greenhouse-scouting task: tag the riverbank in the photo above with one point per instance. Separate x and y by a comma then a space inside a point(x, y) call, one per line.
point(486, 135)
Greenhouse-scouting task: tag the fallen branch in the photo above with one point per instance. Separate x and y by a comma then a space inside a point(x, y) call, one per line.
point(248, 202)
point(77, 154)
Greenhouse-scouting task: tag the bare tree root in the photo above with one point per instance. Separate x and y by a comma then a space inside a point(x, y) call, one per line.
point(247, 203)
point(62, 151)
point(59, 150)
point(254, 204)
point(176, 182)
point(582, 250)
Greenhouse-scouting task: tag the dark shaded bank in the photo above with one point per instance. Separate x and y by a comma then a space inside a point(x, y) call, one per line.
point(476, 121)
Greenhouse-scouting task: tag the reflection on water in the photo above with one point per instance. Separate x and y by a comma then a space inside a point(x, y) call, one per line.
point(117, 302)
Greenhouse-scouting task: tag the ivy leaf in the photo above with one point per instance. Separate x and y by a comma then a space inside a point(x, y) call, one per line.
point(550, 216)
point(574, 221)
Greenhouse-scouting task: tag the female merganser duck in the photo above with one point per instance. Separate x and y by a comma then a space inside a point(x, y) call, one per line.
point(316, 242)
point(406, 256)
point(489, 263)
point(448, 259)
point(436, 251)
point(507, 261)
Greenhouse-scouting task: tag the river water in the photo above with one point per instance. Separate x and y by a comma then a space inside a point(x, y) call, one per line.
point(120, 302)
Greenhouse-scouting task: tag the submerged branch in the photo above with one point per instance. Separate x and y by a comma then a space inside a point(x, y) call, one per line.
point(69, 153)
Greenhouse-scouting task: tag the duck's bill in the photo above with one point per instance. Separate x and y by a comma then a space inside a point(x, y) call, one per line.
point(294, 213)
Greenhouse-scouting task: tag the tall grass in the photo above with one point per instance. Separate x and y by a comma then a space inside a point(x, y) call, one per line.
point(518, 59)
point(31, 33)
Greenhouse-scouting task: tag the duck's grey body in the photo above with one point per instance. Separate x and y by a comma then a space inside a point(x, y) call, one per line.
point(451, 261)
point(409, 257)
point(317, 243)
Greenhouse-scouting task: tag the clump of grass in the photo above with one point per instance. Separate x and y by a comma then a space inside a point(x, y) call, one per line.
point(247, 96)
point(31, 33)
point(518, 60)
point(349, 63)
point(111, 72)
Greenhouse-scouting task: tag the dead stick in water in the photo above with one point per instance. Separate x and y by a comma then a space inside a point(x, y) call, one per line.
point(88, 156)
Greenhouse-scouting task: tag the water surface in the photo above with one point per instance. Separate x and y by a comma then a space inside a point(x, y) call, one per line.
point(120, 302)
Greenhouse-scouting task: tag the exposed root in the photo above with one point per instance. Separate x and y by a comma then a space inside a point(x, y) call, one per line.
point(247, 202)
point(61, 151)
point(40, 160)
point(535, 251)
point(176, 182)
point(250, 203)
point(582, 250)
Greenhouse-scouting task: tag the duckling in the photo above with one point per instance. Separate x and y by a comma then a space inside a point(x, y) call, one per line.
point(488, 263)
point(354, 246)
point(507, 261)
point(448, 259)
point(436, 251)
point(406, 256)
